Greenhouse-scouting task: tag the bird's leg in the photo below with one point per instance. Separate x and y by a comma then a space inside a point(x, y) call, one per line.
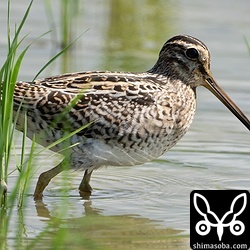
point(44, 180)
point(84, 186)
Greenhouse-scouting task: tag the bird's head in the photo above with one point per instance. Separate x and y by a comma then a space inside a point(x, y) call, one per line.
point(187, 59)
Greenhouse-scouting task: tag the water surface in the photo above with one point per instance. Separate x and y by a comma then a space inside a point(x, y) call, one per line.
point(139, 200)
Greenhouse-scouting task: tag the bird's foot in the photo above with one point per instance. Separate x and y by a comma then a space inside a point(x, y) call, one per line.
point(85, 190)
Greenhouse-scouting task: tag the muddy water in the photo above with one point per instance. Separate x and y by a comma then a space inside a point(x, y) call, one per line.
point(147, 205)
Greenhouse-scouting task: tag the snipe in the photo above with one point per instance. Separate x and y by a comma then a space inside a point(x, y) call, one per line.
point(134, 117)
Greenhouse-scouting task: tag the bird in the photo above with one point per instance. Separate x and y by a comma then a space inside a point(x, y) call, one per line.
point(119, 118)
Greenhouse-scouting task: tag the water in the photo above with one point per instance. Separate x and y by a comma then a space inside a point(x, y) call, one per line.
point(125, 35)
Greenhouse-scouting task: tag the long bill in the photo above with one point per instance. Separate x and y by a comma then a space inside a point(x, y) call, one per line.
point(211, 85)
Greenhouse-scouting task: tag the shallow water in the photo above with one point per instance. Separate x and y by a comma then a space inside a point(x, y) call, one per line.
point(215, 153)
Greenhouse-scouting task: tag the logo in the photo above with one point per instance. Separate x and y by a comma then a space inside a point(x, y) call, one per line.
point(220, 219)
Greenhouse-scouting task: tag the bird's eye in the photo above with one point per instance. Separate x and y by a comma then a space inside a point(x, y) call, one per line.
point(192, 53)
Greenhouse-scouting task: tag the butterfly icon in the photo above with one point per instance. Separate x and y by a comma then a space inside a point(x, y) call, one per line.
point(203, 227)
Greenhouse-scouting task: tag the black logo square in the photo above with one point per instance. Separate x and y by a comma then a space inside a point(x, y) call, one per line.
point(219, 219)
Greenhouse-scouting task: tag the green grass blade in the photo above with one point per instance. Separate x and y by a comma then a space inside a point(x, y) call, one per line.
point(247, 44)
point(57, 55)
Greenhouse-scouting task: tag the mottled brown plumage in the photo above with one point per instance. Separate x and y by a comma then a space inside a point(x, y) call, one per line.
point(134, 117)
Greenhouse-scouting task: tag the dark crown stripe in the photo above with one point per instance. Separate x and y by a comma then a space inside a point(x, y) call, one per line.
point(187, 39)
